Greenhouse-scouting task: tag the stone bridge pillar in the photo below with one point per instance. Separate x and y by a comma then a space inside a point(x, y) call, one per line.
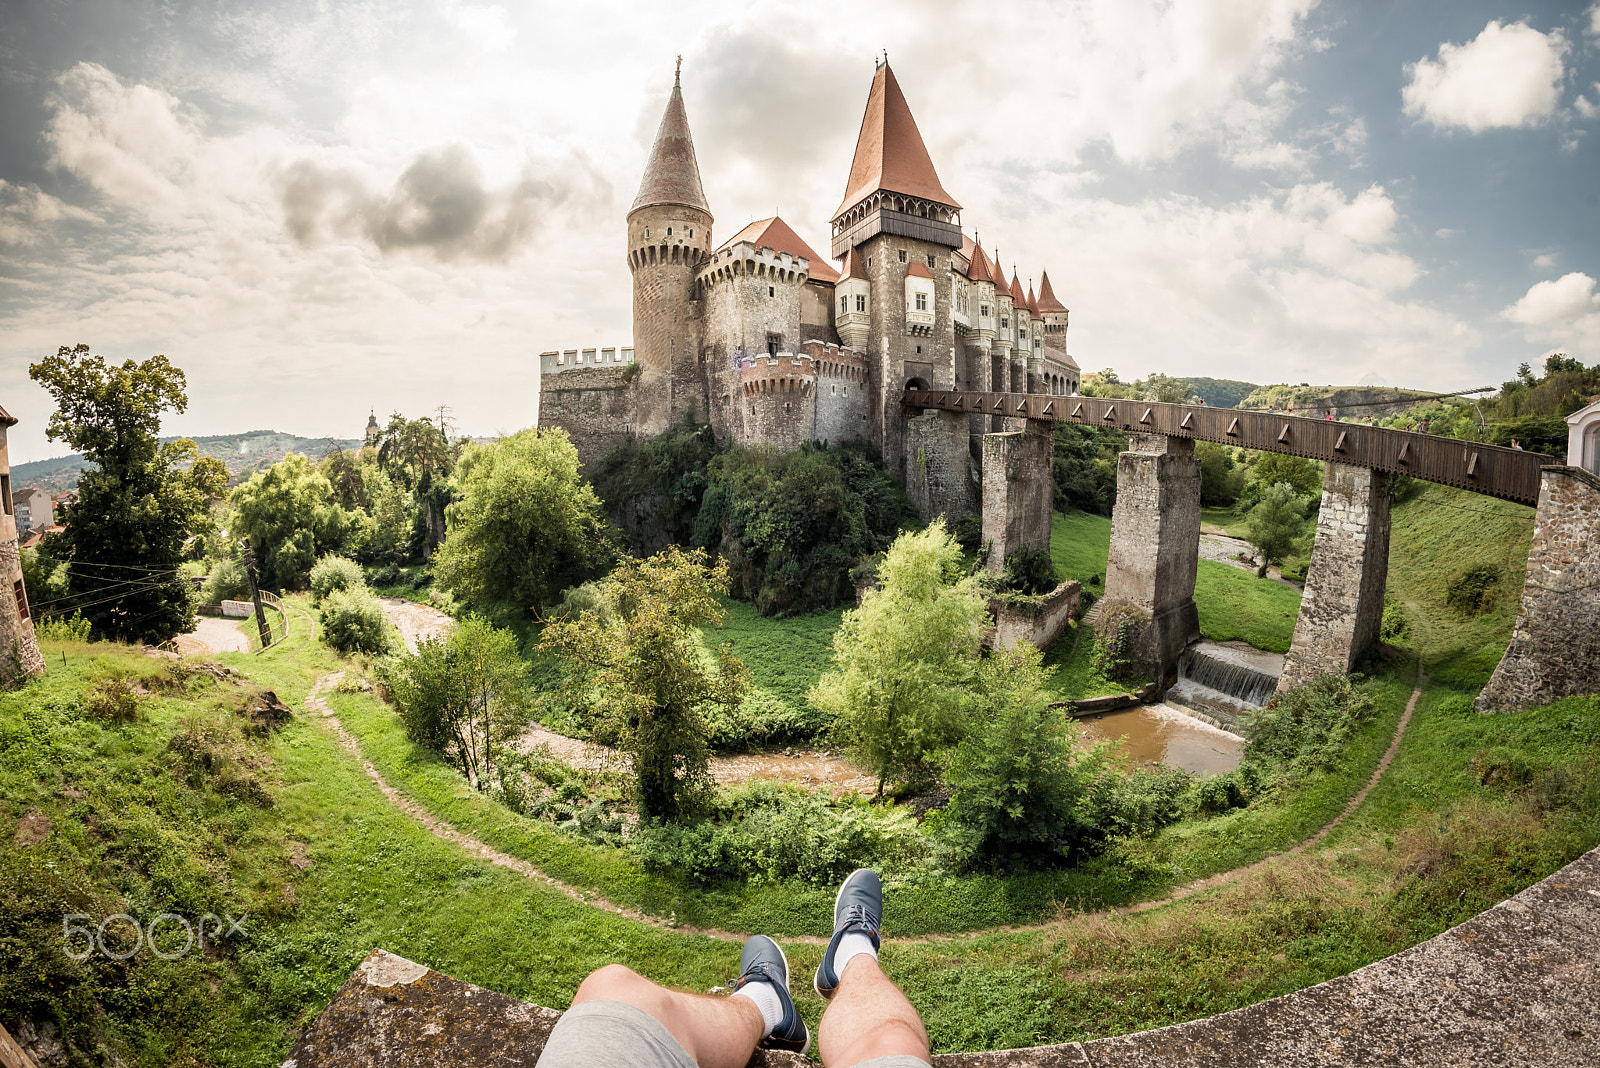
point(1155, 544)
point(1341, 609)
point(1555, 646)
point(939, 477)
point(1018, 490)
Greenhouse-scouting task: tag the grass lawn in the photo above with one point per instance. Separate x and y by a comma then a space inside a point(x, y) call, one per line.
point(1235, 526)
point(785, 657)
point(1236, 606)
point(1078, 545)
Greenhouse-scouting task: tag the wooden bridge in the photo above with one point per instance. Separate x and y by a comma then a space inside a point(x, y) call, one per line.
point(1511, 474)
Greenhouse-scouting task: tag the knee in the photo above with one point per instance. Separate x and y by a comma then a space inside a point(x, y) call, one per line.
point(616, 982)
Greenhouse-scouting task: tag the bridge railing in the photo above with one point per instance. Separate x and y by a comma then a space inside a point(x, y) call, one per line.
point(1511, 474)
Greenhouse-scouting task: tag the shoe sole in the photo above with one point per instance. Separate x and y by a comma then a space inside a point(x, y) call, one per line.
point(817, 975)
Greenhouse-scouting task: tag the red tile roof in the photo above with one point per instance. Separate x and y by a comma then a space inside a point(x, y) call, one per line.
point(917, 270)
point(998, 277)
point(1033, 305)
point(777, 235)
point(890, 154)
point(1017, 298)
point(1047, 297)
point(980, 270)
point(853, 267)
point(672, 176)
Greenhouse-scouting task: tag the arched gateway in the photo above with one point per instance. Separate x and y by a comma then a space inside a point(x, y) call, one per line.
point(1155, 527)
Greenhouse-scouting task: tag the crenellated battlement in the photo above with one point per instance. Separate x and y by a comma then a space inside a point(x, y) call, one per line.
point(745, 259)
point(834, 361)
point(785, 372)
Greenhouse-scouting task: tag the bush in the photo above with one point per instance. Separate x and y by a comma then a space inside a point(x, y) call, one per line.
point(1118, 640)
point(1305, 729)
point(335, 573)
point(227, 582)
point(113, 700)
point(380, 577)
point(1473, 590)
point(1395, 625)
point(761, 721)
point(1029, 570)
point(353, 622)
point(73, 628)
point(762, 832)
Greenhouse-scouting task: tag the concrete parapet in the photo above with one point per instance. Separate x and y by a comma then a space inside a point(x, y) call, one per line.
point(1018, 490)
point(1341, 609)
point(1155, 544)
point(1513, 987)
point(1555, 645)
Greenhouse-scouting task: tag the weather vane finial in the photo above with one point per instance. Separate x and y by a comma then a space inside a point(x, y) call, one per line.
point(677, 72)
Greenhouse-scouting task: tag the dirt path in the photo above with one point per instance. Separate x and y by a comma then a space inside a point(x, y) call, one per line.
point(415, 621)
point(218, 635)
point(1223, 547)
point(444, 831)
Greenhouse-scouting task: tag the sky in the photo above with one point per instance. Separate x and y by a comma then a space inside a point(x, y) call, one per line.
point(319, 209)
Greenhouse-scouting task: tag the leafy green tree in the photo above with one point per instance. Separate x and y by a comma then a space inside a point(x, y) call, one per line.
point(290, 516)
point(903, 660)
point(1018, 783)
point(641, 653)
point(138, 505)
point(1220, 478)
point(526, 526)
point(1085, 467)
point(352, 621)
point(465, 694)
point(1277, 522)
point(1159, 387)
point(1303, 476)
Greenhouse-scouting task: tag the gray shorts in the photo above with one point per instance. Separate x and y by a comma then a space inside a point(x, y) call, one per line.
point(610, 1034)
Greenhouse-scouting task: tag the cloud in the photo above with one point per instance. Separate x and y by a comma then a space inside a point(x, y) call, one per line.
point(27, 213)
point(1563, 301)
point(439, 204)
point(1507, 76)
point(1544, 261)
point(1594, 20)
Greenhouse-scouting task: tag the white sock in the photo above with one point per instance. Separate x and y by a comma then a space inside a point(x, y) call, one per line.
point(851, 945)
point(765, 995)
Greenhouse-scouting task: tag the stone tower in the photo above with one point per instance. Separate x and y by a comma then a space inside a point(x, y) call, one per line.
point(903, 224)
point(19, 648)
point(669, 239)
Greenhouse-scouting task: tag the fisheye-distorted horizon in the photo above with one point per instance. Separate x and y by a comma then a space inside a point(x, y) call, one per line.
point(318, 210)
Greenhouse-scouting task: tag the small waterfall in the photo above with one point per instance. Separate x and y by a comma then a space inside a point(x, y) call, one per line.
point(1219, 683)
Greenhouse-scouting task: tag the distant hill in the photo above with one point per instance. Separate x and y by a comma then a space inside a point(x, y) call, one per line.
point(1319, 398)
point(242, 453)
point(1222, 392)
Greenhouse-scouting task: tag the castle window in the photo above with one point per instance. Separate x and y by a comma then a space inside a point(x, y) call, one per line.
point(902, 255)
point(844, 305)
point(774, 343)
point(861, 302)
point(21, 593)
point(919, 350)
point(869, 262)
point(932, 262)
point(1005, 324)
point(922, 302)
point(669, 231)
point(691, 233)
point(771, 291)
point(983, 309)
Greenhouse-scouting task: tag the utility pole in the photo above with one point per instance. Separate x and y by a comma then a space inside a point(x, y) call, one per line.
point(255, 593)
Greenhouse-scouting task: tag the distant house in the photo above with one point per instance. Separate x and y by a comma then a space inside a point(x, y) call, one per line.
point(33, 508)
point(42, 533)
point(64, 503)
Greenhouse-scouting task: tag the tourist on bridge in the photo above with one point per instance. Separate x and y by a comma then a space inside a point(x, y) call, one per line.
point(620, 1019)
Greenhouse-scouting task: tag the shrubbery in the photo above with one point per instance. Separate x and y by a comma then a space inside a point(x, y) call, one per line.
point(762, 832)
point(353, 622)
point(335, 573)
point(227, 582)
point(1473, 589)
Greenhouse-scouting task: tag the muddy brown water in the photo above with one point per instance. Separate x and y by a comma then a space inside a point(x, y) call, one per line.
point(1162, 734)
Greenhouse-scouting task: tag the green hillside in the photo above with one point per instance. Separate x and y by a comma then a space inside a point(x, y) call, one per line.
point(1222, 392)
point(242, 453)
point(1319, 398)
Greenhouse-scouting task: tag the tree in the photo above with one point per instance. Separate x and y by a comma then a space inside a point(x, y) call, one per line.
point(903, 660)
point(1304, 476)
point(1277, 522)
point(290, 516)
point(1018, 783)
point(1220, 481)
point(465, 694)
point(139, 504)
point(641, 652)
point(526, 527)
point(1164, 388)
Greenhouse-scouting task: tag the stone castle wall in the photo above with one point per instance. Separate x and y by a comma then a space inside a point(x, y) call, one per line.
point(1018, 491)
point(778, 397)
point(1555, 645)
point(19, 648)
point(666, 312)
point(595, 406)
point(842, 394)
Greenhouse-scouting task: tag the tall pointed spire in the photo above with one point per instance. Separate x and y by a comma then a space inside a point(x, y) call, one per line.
point(672, 176)
point(1047, 296)
point(890, 154)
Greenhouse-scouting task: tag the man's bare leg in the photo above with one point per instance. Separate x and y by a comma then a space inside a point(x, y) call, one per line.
point(868, 1017)
point(716, 1032)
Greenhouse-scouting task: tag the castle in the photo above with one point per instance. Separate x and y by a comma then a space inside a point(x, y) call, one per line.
point(770, 342)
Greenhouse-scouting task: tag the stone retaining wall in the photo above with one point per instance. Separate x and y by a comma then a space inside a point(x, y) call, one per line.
point(1041, 627)
point(1513, 987)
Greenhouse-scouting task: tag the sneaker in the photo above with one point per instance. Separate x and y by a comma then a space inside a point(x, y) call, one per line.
point(858, 909)
point(763, 961)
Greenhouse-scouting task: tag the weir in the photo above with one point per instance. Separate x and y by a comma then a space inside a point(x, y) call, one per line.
point(1220, 683)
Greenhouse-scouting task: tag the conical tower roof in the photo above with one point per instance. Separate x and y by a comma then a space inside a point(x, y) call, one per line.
point(1033, 304)
point(890, 154)
point(853, 267)
point(1016, 290)
point(998, 276)
point(1047, 297)
point(672, 176)
point(979, 269)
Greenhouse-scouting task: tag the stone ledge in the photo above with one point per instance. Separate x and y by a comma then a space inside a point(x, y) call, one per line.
point(1513, 987)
